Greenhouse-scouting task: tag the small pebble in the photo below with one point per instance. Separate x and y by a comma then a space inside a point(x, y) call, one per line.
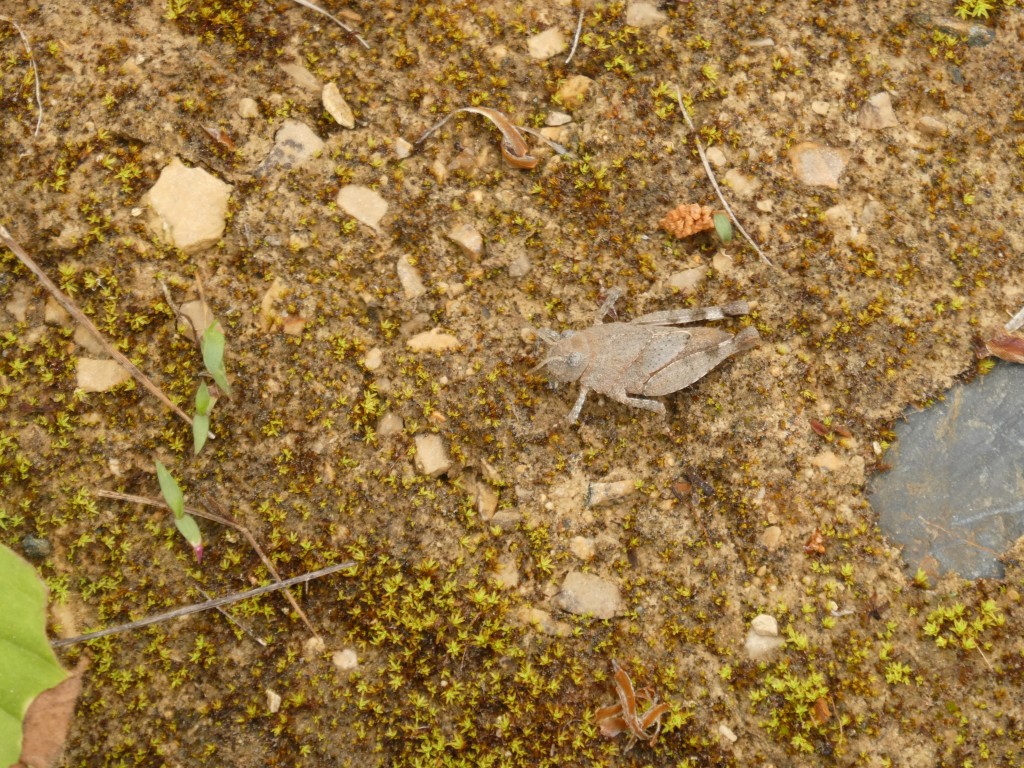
point(337, 107)
point(431, 456)
point(374, 359)
point(433, 340)
point(362, 204)
point(583, 547)
point(409, 277)
point(273, 702)
point(188, 207)
point(248, 108)
point(345, 659)
point(294, 144)
point(546, 44)
point(877, 113)
point(99, 375)
point(35, 547)
point(588, 594)
point(469, 239)
point(818, 165)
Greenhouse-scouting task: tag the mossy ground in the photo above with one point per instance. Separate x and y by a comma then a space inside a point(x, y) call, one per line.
point(859, 322)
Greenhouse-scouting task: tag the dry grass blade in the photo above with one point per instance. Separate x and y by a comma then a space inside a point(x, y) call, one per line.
point(714, 182)
point(75, 312)
point(576, 37)
point(514, 148)
point(35, 69)
point(322, 12)
point(206, 606)
point(1015, 322)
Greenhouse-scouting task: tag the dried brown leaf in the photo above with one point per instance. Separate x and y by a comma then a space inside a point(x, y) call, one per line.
point(47, 721)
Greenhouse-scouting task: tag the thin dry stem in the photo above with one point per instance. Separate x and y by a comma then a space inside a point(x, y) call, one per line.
point(75, 312)
point(197, 607)
point(223, 519)
point(714, 182)
point(35, 69)
point(346, 27)
point(576, 37)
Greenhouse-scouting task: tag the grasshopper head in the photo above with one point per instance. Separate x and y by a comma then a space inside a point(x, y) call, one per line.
point(567, 357)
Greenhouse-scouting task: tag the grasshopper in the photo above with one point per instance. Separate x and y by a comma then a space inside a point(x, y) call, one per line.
point(647, 356)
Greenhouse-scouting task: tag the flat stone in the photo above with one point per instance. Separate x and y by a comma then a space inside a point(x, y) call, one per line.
point(952, 495)
point(546, 44)
point(820, 107)
point(337, 107)
point(555, 119)
point(390, 424)
point(877, 113)
point(248, 108)
point(818, 165)
point(520, 266)
point(433, 340)
point(54, 312)
point(716, 156)
point(99, 375)
point(573, 92)
point(644, 14)
point(294, 144)
point(771, 537)
point(87, 340)
point(18, 306)
point(506, 575)
point(543, 621)
point(345, 659)
point(687, 280)
point(469, 239)
point(409, 277)
point(740, 183)
point(585, 594)
point(431, 455)
point(188, 207)
point(403, 148)
point(363, 204)
point(583, 547)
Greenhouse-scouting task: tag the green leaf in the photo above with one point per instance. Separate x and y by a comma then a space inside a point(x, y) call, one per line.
point(203, 399)
point(200, 431)
point(169, 488)
point(213, 356)
point(188, 527)
point(723, 227)
point(28, 665)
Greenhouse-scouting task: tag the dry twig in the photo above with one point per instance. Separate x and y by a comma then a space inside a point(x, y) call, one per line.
point(223, 519)
point(35, 69)
point(75, 312)
point(215, 603)
point(714, 182)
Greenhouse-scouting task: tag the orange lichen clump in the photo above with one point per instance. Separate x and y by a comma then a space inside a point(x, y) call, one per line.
point(688, 219)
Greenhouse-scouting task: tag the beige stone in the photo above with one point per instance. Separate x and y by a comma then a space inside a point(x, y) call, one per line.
point(188, 207)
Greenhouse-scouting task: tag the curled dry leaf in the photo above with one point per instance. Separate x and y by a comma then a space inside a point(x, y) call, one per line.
point(48, 719)
point(688, 219)
point(1005, 346)
point(622, 717)
point(514, 148)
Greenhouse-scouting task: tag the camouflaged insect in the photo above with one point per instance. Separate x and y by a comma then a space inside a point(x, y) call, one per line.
point(647, 357)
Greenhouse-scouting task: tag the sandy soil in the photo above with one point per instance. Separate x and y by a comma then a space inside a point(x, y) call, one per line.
point(875, 293)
